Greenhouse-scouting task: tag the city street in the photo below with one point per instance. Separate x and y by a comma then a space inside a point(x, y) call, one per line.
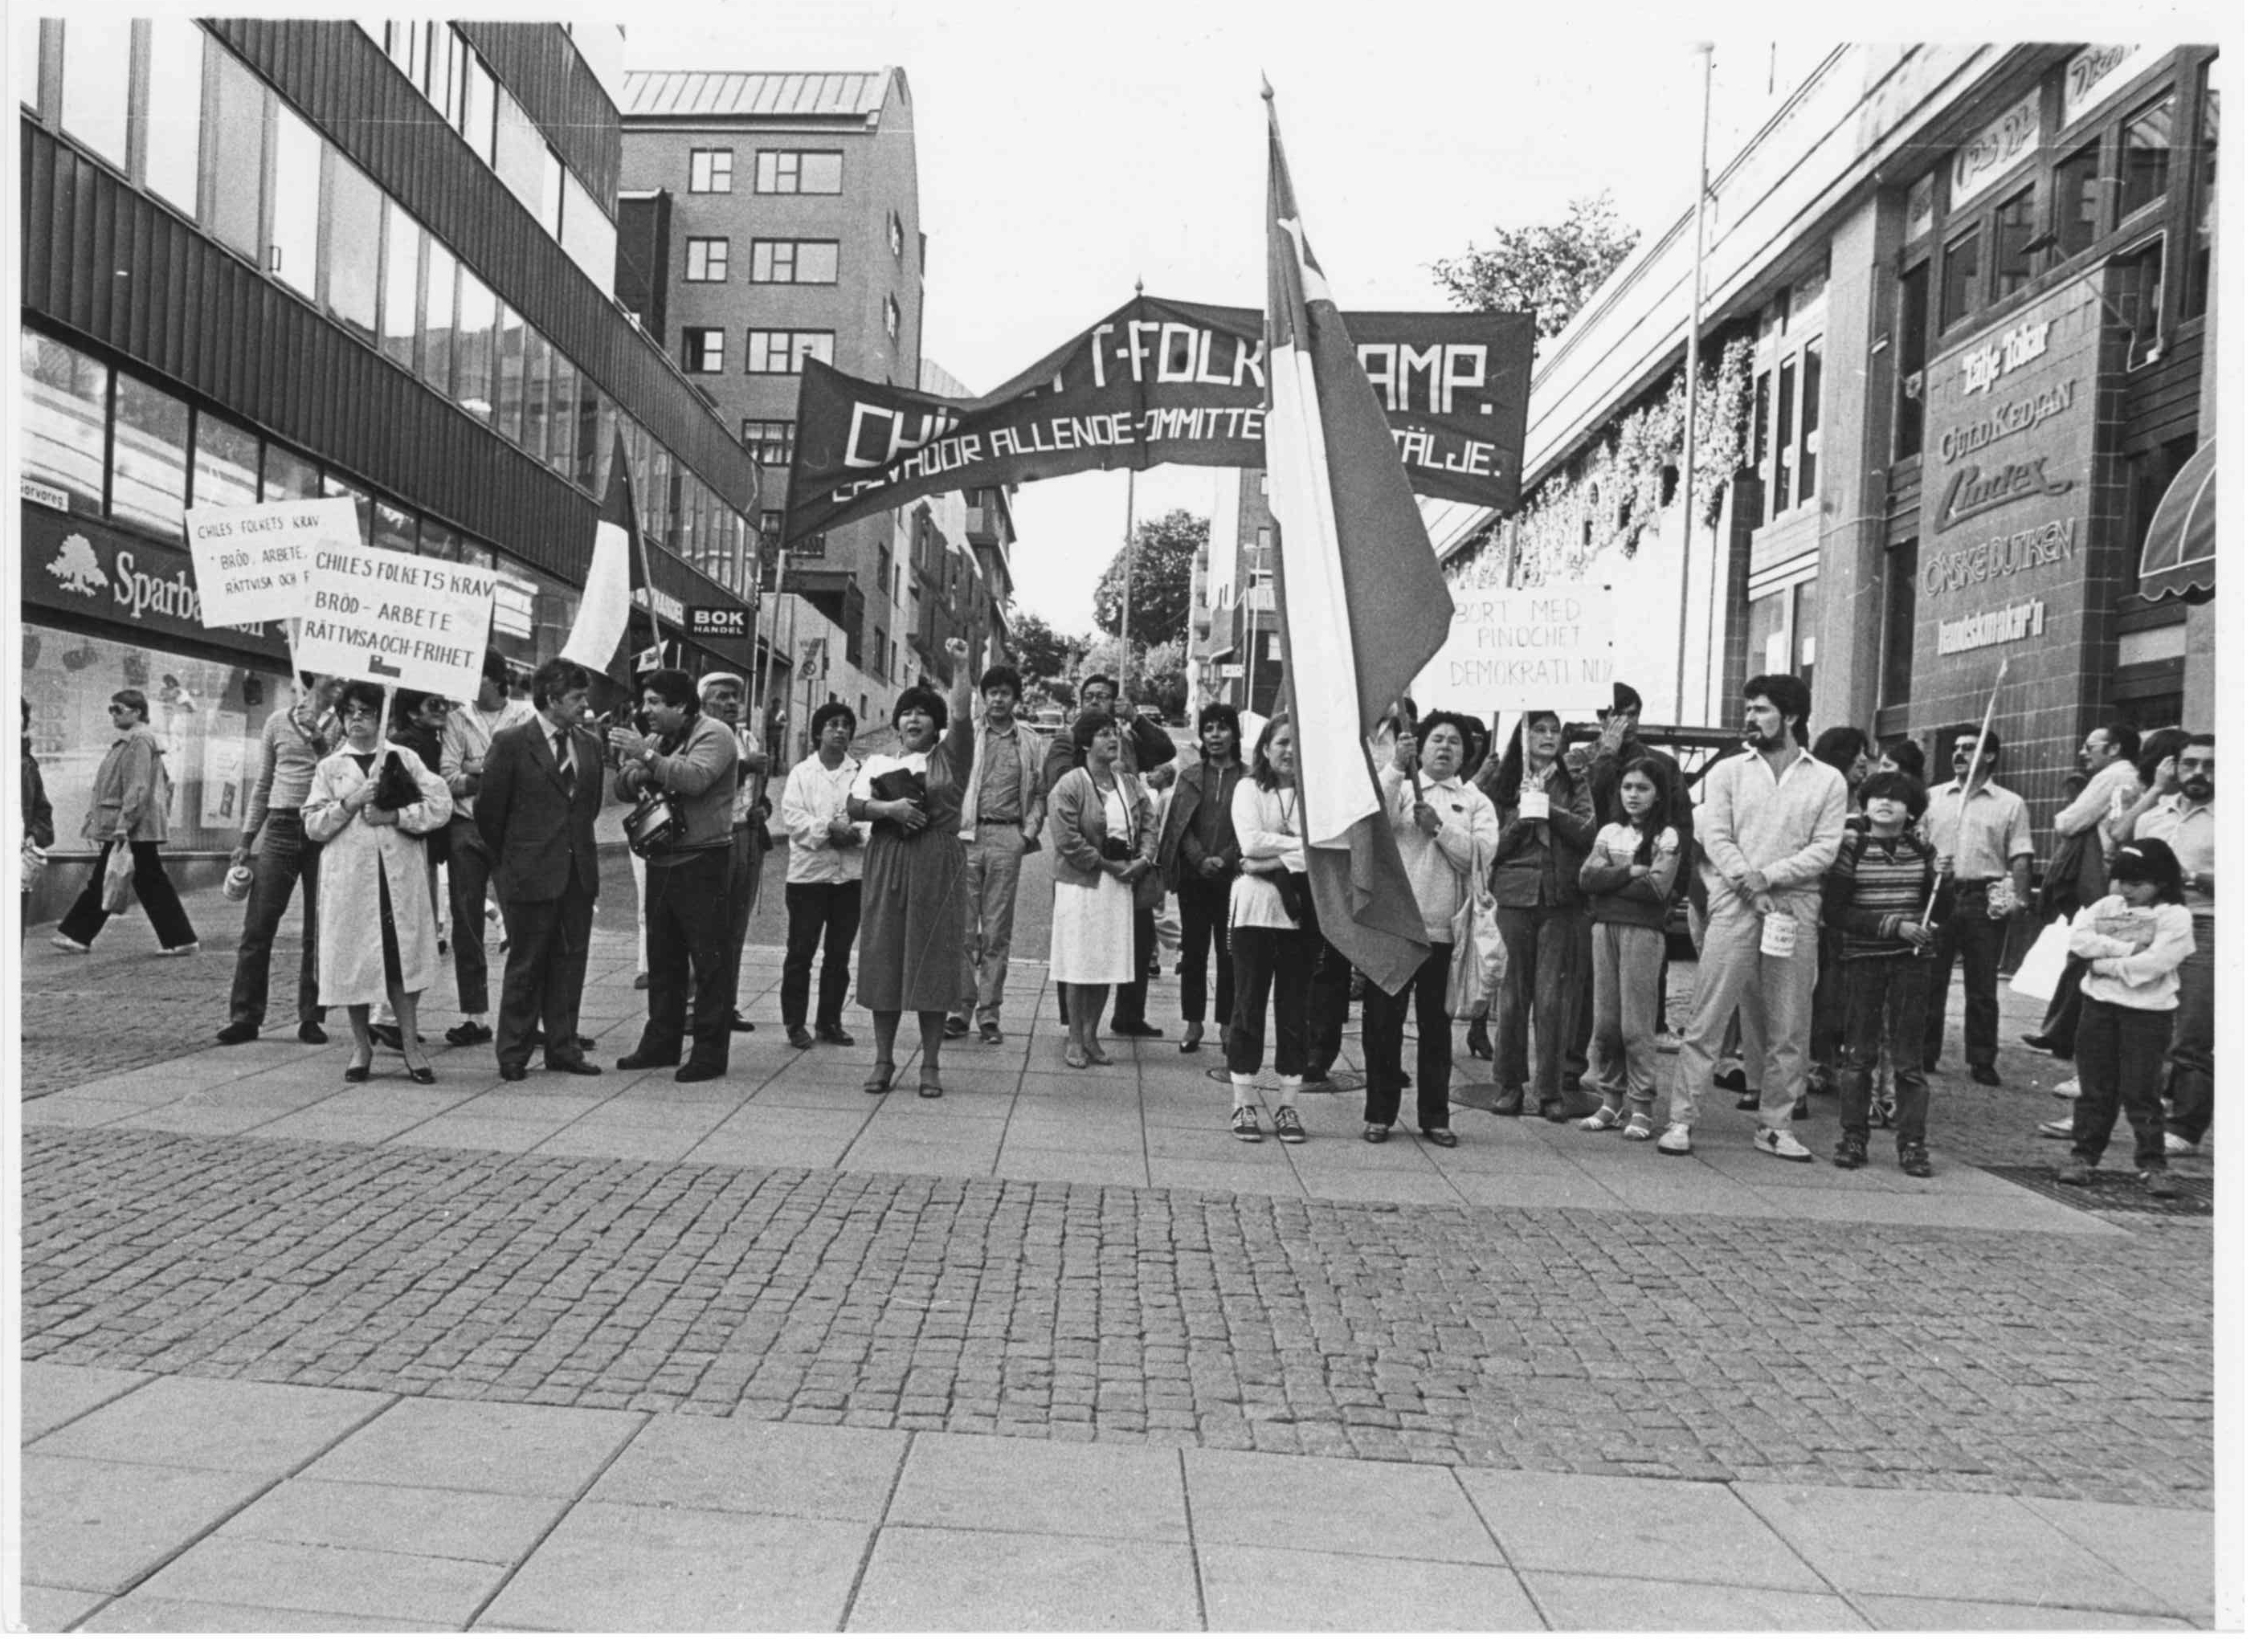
point(1053, 1351)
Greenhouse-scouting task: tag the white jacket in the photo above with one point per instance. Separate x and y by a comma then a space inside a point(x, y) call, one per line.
point(815, 797)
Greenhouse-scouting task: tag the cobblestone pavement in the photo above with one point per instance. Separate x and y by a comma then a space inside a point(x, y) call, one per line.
point(1688, 1347)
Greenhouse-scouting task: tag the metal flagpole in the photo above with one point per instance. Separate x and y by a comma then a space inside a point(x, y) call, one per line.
point(1690, 371)
point(1124, 644)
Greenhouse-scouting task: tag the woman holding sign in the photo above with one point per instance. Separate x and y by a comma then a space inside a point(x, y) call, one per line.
point(369, 804)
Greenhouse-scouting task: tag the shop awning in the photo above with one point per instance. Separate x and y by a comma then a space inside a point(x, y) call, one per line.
point(2180, 554)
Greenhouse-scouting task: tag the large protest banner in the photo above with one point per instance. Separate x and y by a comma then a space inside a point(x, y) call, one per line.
point(248, 558)
point(1543, 648)
point(407, 621)
point(1160, 382)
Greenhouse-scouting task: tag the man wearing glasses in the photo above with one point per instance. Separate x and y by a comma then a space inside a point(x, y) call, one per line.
point(1975, 908)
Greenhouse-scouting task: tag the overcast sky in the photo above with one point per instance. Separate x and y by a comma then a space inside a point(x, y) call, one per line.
point(1067, 150)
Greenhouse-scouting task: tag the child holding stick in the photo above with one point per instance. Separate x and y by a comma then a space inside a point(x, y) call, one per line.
point(1628, 878)
point(1875, 895)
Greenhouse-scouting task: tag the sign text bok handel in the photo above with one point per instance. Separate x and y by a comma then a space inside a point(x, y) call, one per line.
point(1543, 648)
point(403, 622)
point(248, 557)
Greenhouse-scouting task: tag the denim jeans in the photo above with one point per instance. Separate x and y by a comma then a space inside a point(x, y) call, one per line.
point(1883, 999)
point(2117, 1055)
point(285, 860)
point(1542, 944)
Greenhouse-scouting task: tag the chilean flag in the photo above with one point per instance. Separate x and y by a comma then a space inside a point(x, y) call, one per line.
point(1363, 603)
point(604, 615)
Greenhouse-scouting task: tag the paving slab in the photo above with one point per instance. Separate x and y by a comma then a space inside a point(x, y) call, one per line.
point(2171, 1551)
point(482, 1446)
point(1000, 1484)
point(1918, 1614)
point(1957, 1545)
point(1334, 1504)
point(1623, 1526)
point(345, 1582)
point(1092, 1170)
point(245, 1428)
point(1631, 1605)
point(53, 1611)
point(745, 1467)
point(52, 1393)
point(931, 1581)
point(471, 1525)
point(1285, 1590)
point(96, 1525)
point(140, 1614)
point(620, 1567)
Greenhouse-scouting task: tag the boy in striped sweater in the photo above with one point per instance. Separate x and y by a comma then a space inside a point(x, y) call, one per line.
point(1875, 897)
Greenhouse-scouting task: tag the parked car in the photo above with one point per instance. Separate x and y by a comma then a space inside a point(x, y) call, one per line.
point(1152, 712)
point(1048, 719)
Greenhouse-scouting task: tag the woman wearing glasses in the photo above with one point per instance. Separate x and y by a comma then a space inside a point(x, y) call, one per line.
point(371, 803)
point(132, 797)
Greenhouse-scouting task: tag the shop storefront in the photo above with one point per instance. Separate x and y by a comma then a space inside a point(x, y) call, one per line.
point(705, 627)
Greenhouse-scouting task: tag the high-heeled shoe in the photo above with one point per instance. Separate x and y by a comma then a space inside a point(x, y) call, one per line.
point(358, 1073)
point(422, 1074)
point(1480, 1041)
point(930, 1081)
point(882, 1079)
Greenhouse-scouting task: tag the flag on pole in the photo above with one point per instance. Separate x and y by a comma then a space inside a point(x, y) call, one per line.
point(1364, 605)
point(604, 611)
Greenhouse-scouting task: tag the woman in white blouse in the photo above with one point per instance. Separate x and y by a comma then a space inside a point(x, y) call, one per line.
point(1445, 828)
point(1274, 934)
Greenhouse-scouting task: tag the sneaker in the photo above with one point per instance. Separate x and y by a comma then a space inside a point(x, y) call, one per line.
point(1246, 1127)
point(2078, 1174)
point(2068, 1089)
point(956, 1026)
point(2058, 1130)
point(187, 950)
point(1287, 1125)
point(1915, 1161)
point(1851, 1154)
point(2159, 1183)
point(1783, 1143)
point(469, 1032)
point(1676, 1141)
point(1748, 1101)
point(2176, 1147)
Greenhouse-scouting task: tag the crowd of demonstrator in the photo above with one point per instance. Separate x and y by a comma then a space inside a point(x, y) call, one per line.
point(1830, 894)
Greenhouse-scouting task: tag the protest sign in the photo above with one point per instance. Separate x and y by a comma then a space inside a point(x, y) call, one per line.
point(249, 559)
point(404, 622)
point(1161, 382)
point(1543, 648)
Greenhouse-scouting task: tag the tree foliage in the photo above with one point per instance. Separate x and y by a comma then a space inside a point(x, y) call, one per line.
point(1166, 546)
point(1038, 650)
point(1549, 269)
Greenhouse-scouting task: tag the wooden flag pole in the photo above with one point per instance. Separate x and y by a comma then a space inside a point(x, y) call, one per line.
point(1964, 797)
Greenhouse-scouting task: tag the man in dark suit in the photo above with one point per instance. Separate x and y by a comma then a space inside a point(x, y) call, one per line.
point(537, 812)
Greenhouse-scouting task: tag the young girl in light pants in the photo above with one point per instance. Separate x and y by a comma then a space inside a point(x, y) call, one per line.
point(1628, 878)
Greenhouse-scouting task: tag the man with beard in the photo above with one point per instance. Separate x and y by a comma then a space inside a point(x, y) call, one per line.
point(1771, 825)
point(1990, 827)
point(718, 698)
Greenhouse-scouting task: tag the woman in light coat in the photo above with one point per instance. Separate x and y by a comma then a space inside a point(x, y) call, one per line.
point(1104, 840)
point(126, 816)
point(377, 935)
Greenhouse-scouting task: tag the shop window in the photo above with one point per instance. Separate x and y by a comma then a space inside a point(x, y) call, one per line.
point(2149, 475)
point(711, 172)
point(534, 433)
point(284, 474)
point(1802, 631)
point(2075, 208)
point(703, 350)
point(436, 339)
point(1768, 647)
point(564, 412)
point(97, 59)
point(226, 468)
point(174, 110)
point(2014, 230)
point(2203, 232)
point(437, 539)
point(392, 528)
point(355, 208)
point(239, 145)
point(510, 371)
point(805, 262)
point(1959, 278)
point(404, 258)
point(796, 172)
point(66, 404)
point(148, 459)
point(2145, 157)
point(768, 440)
point(1901, 623)
point(475, 322)
point(1909, 362)
point(779, 352)
point(706, 259)
point(336, 486)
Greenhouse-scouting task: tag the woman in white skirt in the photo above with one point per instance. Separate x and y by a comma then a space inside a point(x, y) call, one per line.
point(1104, 840)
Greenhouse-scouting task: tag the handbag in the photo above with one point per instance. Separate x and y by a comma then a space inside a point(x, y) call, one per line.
point(395, 788)
point(1480, 956)
point(896, 786)
point(2038, 974)
point(118, 878)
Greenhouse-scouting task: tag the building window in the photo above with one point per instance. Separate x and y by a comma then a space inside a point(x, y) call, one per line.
point(66, 401)
point(510, 371)
point(703, 350)
point(1810, 416)
point(354, 210)
point(2014, 230)
point(2145, 157)
point(1901, 622)
point(1959, 278)
point(436, 338)
point(1787, 405)
point(479, 117)
point(1909, 362)
point(295, 211)
point(96, 57)
point(239, 140)
point(796, 172)
point(225, 470)
point(534, 427)
point(777, 352)
point(551, 208)
point(895, 235)
point(174, 105)
point(2133, 298)
point(803, 262)
point(475, 323)
point(891, 317)
point(2203, 243)
point(769, 525)
point(768, 440)
point(706, 260)
point(2075, 214)
point(284, 474)
point(711, 172)
point(404, 254)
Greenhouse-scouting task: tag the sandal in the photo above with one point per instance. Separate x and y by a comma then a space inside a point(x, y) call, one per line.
point(1637, 1126)
point(882, 1079)
point(1605, 1118)
point(930, 1081)
point(1098, 1056)
point(1073, 1055)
